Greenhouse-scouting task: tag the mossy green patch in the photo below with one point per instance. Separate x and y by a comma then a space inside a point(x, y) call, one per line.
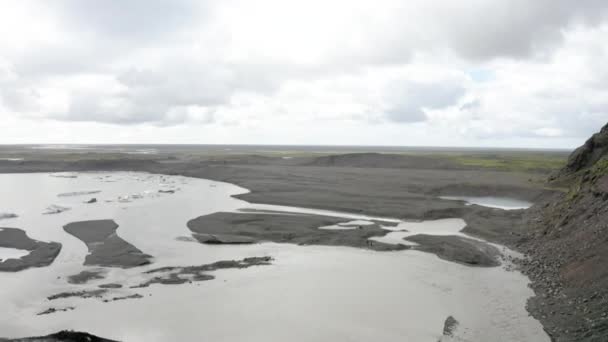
point(525, 162)
point(600, 168)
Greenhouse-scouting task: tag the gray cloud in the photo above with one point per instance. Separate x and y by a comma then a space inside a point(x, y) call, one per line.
point(97, 34)
point(139, 20)
point(407, 100)
point(160, 95)
point(173, 62)
point(517, 28)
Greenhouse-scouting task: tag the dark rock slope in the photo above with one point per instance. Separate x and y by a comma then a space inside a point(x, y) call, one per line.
point(594, 150)
point(568, 248)
point(63, 336)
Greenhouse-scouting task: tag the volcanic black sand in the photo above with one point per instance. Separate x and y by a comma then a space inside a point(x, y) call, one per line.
point(41, 253)
point(106, 248)
point(291, 228)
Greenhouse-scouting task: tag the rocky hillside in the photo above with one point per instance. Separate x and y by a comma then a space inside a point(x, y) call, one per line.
point(586, 157)
point(63, 336)
point(568, 246)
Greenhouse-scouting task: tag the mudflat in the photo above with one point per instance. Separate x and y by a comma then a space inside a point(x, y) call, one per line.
point(40, 253)
point(180, 275)
point(105, 246)
point(286, 228)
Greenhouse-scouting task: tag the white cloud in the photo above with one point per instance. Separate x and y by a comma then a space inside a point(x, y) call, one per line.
point(484, 72)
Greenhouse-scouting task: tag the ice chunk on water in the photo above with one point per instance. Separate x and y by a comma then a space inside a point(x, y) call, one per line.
point(7, 216)
point(78, 193)
point(55, 209)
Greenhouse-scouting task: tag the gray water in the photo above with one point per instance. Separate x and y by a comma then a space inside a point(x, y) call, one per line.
point(309, 293)
point(504, 203)
point(12, 253)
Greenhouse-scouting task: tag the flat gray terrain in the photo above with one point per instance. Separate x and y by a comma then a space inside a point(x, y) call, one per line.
point(105, 246)
point(292, 228)
point(41, 253)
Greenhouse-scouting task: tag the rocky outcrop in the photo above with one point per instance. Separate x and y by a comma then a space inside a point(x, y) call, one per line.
point(586, 156)
point(568, 248)
point(63, 336)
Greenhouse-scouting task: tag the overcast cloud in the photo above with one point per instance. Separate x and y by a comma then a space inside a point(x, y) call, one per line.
point(383, 72)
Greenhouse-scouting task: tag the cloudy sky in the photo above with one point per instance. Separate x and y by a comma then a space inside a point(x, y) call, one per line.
point(514, 73)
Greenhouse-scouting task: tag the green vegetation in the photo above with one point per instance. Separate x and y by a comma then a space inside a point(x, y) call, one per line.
point(600, 168)
point(574, 190)
point(525, 162)
point(579, 179)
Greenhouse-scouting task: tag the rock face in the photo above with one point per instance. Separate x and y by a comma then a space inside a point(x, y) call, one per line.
point(449, 326)
point(587, 155)
point(568, 246)
point(63, 336)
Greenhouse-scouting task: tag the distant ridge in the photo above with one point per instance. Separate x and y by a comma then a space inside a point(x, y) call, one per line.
point(380, 160)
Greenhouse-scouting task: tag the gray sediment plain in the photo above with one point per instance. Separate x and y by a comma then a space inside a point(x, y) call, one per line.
point(40, 253)
point(301, 229)
point(106, 248)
